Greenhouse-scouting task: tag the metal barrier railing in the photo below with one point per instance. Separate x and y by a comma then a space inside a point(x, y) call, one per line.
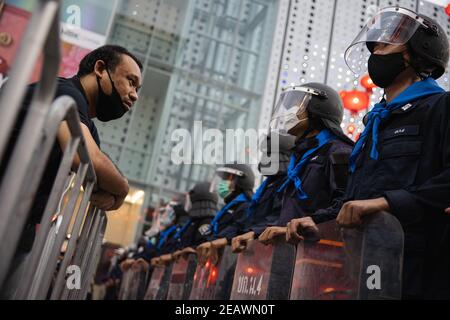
point(28, 159)
point(42, 263)
point(26, 166)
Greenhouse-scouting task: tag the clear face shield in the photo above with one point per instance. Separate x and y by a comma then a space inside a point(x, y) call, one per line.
point(392, 25)
point(292, 102)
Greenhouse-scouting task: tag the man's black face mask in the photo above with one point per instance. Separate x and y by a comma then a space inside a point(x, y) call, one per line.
point(109, 107)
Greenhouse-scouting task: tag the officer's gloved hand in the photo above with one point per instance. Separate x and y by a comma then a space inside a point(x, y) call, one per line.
point(141, 264)
point(204, 252)
point(239, 243)
point(127, 264)
point(216, 245)
point(154, 262)
point(166, 258)
point(302, 229)
point(187, 251)
point(352, 212)
point(273, 235)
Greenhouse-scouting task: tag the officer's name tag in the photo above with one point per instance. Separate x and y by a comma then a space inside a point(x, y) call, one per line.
point(406, 106)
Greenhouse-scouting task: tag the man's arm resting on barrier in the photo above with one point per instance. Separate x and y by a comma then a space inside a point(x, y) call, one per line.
point(109, 178)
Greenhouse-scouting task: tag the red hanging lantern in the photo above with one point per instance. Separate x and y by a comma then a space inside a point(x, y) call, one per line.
point(355, 100)
point(447, 9)
point(367, 83)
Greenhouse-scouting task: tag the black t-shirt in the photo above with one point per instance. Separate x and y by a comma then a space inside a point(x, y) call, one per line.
point(65, 87)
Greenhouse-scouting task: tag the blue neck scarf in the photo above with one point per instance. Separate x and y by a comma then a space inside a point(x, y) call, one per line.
point(382, 111)
point(164, 235)
point(215, 223)
point(294, 170)
point(257, 196)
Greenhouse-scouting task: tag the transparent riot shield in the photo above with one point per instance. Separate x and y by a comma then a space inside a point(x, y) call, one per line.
point(264, 272)
point(200, 284)
point(138, 280)
point(155, 281)
point(180, 284)
point(125, 284)
point(349, 264)
point(159, 283)
point(226, 269)
point(214, 281)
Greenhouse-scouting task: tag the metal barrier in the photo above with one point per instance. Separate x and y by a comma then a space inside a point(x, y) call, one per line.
point(86, 233)
point(17, 190)
point(26, 166)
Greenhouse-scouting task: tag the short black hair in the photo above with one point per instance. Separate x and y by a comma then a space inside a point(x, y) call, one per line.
point(110, 54)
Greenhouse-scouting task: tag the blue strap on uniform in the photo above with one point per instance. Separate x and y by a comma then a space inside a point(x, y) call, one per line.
point(182, 229)
point(215, 222)
point(382, 111)
point(164, 235)
point(293, 174)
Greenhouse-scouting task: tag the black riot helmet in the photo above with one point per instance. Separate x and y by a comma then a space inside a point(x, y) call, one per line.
point(429, 49)
point(240, 175)
point(425, 39)
point(201, 202)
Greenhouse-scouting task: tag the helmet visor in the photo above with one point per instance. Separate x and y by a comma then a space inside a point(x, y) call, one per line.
point(293, 101)
point(392, 25)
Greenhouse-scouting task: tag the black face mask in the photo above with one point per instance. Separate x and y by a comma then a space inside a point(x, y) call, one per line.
point(109, 107)
point(383, 69)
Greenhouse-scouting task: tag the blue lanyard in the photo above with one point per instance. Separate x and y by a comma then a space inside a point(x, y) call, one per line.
point(293, 174)
point(215, 222)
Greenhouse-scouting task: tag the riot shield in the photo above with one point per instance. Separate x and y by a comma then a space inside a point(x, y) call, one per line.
point(125, 284)
point(159, 283)
point(264, 272)
point(181, 279)
point(225, 276)
point(200, 284)
point(137, 284)
point(214, 281)
point(155, 280)
point(349, 264)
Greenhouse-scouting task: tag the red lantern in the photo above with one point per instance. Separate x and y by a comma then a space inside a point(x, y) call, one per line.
point(447, 9)
point(355, 100)
point(367, 83)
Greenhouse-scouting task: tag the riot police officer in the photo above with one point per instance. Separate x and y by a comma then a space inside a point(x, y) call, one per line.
point(316, 174)
point(401, 163)
point(234, 184)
